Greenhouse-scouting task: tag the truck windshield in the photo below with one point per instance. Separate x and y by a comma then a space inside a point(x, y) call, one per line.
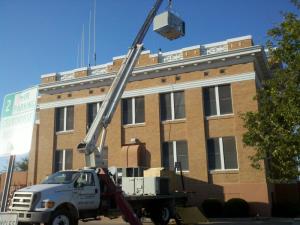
point(62, 177)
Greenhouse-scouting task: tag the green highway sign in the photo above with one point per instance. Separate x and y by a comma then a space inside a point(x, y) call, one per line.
point(17, 121)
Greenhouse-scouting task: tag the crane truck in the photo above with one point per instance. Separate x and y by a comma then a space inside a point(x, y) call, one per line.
point(66, 197)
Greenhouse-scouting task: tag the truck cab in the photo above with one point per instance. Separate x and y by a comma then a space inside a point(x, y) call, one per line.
point(65, 196)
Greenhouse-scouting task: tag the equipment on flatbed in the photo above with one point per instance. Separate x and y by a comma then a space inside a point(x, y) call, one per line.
point(151, 186)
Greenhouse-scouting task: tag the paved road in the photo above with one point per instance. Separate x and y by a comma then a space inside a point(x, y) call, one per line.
point(119, 221)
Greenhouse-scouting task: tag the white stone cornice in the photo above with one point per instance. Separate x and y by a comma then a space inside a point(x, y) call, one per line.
point(155, 90)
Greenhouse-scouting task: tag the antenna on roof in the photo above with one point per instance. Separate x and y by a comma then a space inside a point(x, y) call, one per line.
point(82, 47)
point(78, 54)
point(95, 57)
point(89, 50)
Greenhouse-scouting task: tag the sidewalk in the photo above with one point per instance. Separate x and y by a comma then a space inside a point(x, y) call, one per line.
point(218, 221)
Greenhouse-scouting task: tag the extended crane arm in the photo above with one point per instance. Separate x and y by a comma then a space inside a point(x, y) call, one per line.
point(108, 107)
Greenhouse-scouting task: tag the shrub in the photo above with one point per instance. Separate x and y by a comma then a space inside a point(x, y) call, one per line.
point(212, 208)
point(286, 210)
point(236, 207)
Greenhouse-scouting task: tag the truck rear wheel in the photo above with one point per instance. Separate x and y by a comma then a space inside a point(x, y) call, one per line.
point(160, 216)
point(62, 217)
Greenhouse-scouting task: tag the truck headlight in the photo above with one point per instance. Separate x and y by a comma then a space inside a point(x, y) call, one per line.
point(48, 204)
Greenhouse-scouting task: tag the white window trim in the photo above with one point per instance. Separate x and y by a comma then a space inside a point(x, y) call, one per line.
point(133, 112)
point(172, 106)
point(222, 169)
point(221, 153)
point(65, 118)
point(217, 98)
point(64, 160)
point(65, 122)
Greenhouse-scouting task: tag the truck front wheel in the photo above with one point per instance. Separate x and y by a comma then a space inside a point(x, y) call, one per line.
point(61, 217)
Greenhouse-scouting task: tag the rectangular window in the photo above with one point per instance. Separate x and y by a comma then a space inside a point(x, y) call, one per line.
point(165, 106)
point(214, 158)
point(64, 118)
point(175, 151)
point(229, 152)
point(222, 154)
point(59, 117)
point(102, 158)
point(210, 101)
point(172, 106)
point(139, 110)
point(133, 110)
point(217, 100)
point(225, 99)
point(63, 160)
point(92, 109)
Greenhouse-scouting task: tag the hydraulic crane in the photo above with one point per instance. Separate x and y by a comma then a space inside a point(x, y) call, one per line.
point(99, 126)
point(76, 202)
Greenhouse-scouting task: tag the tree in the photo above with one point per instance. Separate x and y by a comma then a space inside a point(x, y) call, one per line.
point(22, 165)
point(274, 131)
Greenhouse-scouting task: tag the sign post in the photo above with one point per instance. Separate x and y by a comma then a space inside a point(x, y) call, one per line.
point(16, 128)
point(7, 183)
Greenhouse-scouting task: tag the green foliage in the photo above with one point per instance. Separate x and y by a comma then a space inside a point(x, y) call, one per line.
point(236, 207)
point(22, 165)
point(212, 207)
point(274, 131)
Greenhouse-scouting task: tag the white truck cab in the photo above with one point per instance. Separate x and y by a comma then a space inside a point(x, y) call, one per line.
point(64, 196)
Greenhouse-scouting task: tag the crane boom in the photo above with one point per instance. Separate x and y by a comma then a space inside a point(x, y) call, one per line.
point(89, 145)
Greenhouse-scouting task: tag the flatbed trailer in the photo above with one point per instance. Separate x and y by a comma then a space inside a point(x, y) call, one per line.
point(159, 208)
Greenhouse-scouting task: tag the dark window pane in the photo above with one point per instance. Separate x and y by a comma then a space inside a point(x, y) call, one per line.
point(182, 154)
point(210, 101)
point(59, 119)
point(165, 106)
point(214, 158)
point(58, 160)
point(179, 105)
point(92, 112)
point(127, 111)
point(225, 99)
point(68, 159)
point(167, 155)
point(139, 110)
point(70, 118)
point(229, 151)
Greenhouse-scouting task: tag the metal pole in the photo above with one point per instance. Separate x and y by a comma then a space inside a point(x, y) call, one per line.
point(7, 183)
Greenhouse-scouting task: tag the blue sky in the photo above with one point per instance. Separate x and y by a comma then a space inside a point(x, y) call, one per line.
point(39, 37)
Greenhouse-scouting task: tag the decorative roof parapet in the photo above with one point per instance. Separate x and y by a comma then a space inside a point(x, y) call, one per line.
point(147, 58)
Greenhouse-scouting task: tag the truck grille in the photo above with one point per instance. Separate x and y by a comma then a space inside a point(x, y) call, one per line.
point(22, 201)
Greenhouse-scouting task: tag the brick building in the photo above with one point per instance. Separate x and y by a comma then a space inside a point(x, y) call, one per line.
point(182, 105)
